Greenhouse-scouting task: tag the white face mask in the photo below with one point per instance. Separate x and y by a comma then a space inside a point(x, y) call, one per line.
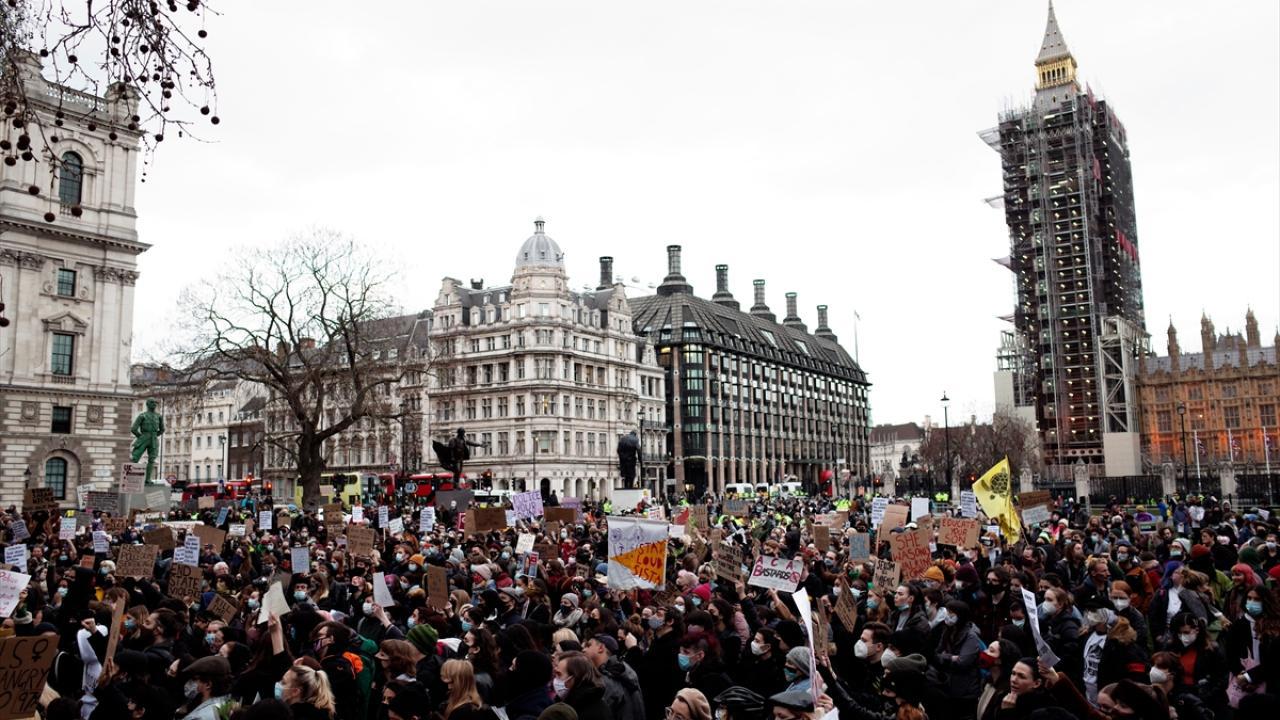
point(887, 656)
point(758, 648)
point(1120, 603)
point(560, 687)
point(1158, 676)
point(1188, 639)
point(860, 649)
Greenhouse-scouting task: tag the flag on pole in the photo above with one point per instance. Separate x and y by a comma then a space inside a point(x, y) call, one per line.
point(995, 493)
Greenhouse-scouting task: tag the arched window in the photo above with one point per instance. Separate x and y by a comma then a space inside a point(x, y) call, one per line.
point(55, 477)
point(70, 179)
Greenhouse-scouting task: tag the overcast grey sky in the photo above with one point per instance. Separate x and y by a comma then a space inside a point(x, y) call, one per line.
point(829, 147)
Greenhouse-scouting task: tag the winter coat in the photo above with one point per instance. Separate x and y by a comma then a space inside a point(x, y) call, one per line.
point(588, 701)
point(622, 690)
point(709, 678)
point(964, 680)
point(1062, 632)
point(1123, 661)
point(1238, 645)
point(528, 705)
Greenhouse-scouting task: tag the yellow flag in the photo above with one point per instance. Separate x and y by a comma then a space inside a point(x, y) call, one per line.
point(995, 493)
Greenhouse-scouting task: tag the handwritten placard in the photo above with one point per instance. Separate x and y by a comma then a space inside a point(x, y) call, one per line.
point(847, 607)
point(886, 576)
point(822, 537)
point(66, 528)
point(300, 559)
point(16, 555)
point(776, 573)
point(911, 552)
point(527, 505)
point(266, 520)
point(223, 608)
point(437, 587)
point(101, 543)
point(381, 593)
point(106, 502)
point(859, 546)
point(137, 561)
point(184, 581)
point(360, 541)
point(210, 536)
point(11, 586)
point(427, 519)
point(24, 668)
point(960, 532)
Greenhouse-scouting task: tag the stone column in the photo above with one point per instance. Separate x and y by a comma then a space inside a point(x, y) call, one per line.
point(1080, 474)
point(1168, 480)
point(1026, 481)
point(1228, 476)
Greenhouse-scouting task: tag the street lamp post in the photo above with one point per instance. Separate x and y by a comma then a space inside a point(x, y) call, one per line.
point(1182, 419)
point(946, 435)
point(226, 456)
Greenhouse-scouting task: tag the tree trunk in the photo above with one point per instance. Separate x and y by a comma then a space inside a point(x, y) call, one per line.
point(310, 463)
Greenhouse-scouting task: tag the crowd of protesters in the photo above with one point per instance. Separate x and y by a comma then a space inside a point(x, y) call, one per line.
point(1176, 620)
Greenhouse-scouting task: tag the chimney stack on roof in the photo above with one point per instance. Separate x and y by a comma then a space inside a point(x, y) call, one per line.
point(674, 282)
point(606, 273)
point(824, 331)
point(760, 309)
point(477, 284)
point(723, 296)
point(792, 320)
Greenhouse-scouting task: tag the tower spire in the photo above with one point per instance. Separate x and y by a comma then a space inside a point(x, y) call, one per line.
point(1055, 65)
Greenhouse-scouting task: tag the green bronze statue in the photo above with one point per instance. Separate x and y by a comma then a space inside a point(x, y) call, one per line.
point(147, 429)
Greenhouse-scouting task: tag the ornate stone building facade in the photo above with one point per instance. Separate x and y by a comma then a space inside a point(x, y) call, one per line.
point(1228, 395)
point(548, 379)
point(68, 264)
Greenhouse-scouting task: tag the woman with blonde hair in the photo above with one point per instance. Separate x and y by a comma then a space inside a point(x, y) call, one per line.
point(307, 693)
point(562, 635)
point(463, 702)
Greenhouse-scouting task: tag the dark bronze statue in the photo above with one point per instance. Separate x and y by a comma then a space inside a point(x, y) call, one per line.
point(455, 452)
point(628, 453)
point(147, 429)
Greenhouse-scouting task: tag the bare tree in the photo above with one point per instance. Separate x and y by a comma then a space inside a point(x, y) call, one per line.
point(150, 51)
point(975, 447)
point(300, 318)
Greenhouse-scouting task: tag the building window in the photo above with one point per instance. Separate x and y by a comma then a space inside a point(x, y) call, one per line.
point(70, 179)
point(66, 282)
point(55, 477)
point(1164, 421)
point(64, 346)
point(503, 447)
point(61, 420)
point(1267, 415)
point(1231, 416)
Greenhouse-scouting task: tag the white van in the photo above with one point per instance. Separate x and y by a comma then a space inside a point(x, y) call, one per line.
point(739, 489)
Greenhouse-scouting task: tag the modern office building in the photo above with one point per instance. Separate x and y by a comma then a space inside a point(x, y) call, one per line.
point(752, 399)
point(1078, 325)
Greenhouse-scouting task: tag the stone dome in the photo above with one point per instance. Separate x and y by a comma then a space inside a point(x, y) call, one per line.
point(539, 250)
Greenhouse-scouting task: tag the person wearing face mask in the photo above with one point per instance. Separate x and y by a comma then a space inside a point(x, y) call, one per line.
point(569, 614)
point(1197, 651)
point(992, 611)
point(957, 657)
point(1167, 674)
point(1121, 596)
point(700, 661)
point(1061, 630)
point(1111, 649)
point(1252, 646)
point(761, 665)
point(1135, 576)
point(579, 685)
point(997, 659)
point(908, 611)
point(1173, 599)
point(739, 703)
point(656, 665)
point(211, 681)
point(867, 673)
point(330, 642)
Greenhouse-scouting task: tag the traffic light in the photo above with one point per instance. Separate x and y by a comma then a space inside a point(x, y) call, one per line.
point(486, 479)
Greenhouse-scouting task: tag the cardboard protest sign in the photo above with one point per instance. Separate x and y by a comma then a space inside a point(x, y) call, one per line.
point(427, 519)
point(24, 668)
point(384, 514)
point(113, 633)
point(847, 607)
point(637, 553)
point(382, 594)
point(1035, 497)
point(960, 532)
point(911, 551)
point(437, 587)
point(333, 520)
point(698, 517)
point(1035, 515)
point(524, 543)
point(66, 528)
point(107, 502)
point(919, 507)
point(895, 516)
point(737, 508)
point(563, 515)
point(527, 505)
point(395, 527)
point(728, 562)
point(300, 559)
point(211, 536)
point(236, 530)
point(968, 504)
point(37, 499)
point(115, 525)
point(886, 577)
point(136, 561)
point(457, 500)
point(133, 477)
point(357, 514)
point(266, 520)
point(184, 581)
point(189, 553)
point(878, 506)
point(12, 584)
point(776, 573)
point(19, 529)
point(822, 537)
point(204, 502)
point(488, 519)
point(223, 608)
point(360, 541)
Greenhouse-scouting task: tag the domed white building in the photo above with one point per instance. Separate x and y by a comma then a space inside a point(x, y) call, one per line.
point(548, 378)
